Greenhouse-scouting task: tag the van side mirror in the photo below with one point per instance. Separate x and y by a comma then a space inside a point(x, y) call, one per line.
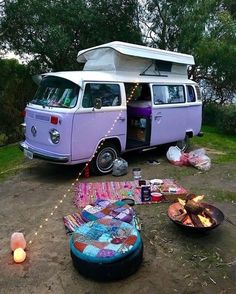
point(97, 103)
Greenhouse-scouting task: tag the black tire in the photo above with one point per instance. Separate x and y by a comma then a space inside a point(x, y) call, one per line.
point(117, 270)
point(102, 164)
point(184, 144)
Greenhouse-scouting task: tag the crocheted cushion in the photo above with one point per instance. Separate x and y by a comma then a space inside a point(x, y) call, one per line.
point(105, 240)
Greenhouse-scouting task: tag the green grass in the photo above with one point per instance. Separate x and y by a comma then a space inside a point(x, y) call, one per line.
point(214, 140)
point(11, 158)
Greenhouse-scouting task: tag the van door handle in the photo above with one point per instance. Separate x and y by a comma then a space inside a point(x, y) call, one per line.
point(121, 118)
point(157, 116)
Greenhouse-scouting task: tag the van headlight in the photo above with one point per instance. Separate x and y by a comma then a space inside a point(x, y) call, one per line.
point(55, 136)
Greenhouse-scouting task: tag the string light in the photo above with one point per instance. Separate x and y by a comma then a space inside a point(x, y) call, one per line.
point(86, 165)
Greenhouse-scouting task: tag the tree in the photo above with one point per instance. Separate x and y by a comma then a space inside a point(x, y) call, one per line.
point(16, 88)
point(205, 29)
point(53, 32)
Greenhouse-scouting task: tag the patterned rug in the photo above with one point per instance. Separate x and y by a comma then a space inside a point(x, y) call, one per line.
point(86, 193)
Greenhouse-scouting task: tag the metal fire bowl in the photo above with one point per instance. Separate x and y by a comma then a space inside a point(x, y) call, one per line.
point(217, 215)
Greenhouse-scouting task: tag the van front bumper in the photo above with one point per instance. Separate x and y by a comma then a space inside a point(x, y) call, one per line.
point(31, 153)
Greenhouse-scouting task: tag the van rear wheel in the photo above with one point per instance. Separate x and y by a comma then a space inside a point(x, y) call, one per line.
point(102, 164)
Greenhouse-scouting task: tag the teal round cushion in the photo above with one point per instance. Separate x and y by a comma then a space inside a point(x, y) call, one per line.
point(105, 240)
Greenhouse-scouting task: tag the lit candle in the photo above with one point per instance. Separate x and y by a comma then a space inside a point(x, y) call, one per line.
point(19, 255)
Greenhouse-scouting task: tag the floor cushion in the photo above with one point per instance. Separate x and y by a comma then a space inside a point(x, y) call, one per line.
point(106, 249)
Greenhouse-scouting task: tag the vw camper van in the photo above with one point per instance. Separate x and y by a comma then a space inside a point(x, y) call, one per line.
point(127, 97)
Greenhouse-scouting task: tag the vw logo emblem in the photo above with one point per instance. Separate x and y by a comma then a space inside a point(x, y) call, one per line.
point(33, 131)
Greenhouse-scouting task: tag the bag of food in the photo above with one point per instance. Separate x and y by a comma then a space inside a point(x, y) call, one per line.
point(175, 156)
point(199, 159)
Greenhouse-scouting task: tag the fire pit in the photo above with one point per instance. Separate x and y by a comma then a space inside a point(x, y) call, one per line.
point(195, 215)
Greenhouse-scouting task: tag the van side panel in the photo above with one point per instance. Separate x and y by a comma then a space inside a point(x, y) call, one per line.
point(194, 118)
point(168, 124)
point(91, 126)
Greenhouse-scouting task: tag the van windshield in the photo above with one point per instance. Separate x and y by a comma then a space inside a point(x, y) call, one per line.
point(56, 92)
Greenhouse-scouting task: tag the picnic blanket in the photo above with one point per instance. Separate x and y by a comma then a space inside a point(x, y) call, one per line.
point(87, 193)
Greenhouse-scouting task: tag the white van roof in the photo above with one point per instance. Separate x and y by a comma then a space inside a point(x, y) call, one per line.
point(121, 56)
point(79, 77)
point(137, 51)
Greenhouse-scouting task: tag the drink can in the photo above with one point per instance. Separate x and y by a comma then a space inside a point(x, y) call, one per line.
point(145, 193)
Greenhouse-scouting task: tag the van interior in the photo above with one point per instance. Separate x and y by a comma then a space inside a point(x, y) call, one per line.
point(138, 115)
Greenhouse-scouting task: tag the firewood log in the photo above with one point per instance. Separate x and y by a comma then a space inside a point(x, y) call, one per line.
point(180, 217)
point(193, 207)
point(195, 220)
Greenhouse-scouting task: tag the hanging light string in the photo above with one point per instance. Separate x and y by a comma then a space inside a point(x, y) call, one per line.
point(65, 195)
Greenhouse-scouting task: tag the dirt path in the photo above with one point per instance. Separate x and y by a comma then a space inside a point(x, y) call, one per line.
point(174, 262)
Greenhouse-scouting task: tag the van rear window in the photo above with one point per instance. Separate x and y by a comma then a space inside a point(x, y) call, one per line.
point(199, 96)
point(168, 94)
point(190, 94)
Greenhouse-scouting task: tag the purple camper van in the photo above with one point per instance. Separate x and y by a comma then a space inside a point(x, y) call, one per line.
point(127, 97)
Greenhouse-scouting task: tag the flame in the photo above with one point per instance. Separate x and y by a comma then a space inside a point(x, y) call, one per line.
point(198, 198)
point(205, 221)
point(181, 201)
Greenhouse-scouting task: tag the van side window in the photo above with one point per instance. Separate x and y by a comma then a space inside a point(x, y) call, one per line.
point(190, 94)
point(108, 93)
point(140, 92)
point(199, 96)
point(168, 94)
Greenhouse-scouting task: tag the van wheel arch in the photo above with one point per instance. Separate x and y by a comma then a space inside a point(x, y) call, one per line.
point(107, 151)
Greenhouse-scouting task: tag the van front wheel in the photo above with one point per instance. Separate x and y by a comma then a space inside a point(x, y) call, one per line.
point(103, 162)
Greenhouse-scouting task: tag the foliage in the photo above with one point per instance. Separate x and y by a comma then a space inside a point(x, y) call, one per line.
point(54, 31)
point(205, 29)
point(223, 117)
point(226, 122)
point(16, 88)
point(216, 55)
point(210, 113)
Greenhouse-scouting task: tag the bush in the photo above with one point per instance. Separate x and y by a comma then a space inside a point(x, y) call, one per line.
point(3, 139)
point(211, 113)
point(223, 117)
point(226, 122)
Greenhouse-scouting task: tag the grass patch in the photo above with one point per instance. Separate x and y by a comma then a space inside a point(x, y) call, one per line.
point(212, 139)
point(11, 158)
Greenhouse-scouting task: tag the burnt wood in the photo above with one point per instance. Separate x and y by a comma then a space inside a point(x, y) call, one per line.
point(193, 207)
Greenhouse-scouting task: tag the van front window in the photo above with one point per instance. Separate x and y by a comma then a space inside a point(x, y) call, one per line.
point(56, 92)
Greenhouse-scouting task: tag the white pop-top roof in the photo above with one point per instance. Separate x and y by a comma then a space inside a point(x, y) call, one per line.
point(136, 51)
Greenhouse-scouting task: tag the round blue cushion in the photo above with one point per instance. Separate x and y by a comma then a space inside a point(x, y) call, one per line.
point(104, 241)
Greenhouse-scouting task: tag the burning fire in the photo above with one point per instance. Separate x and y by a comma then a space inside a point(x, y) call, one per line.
point(205, 221)
point(193, 213)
